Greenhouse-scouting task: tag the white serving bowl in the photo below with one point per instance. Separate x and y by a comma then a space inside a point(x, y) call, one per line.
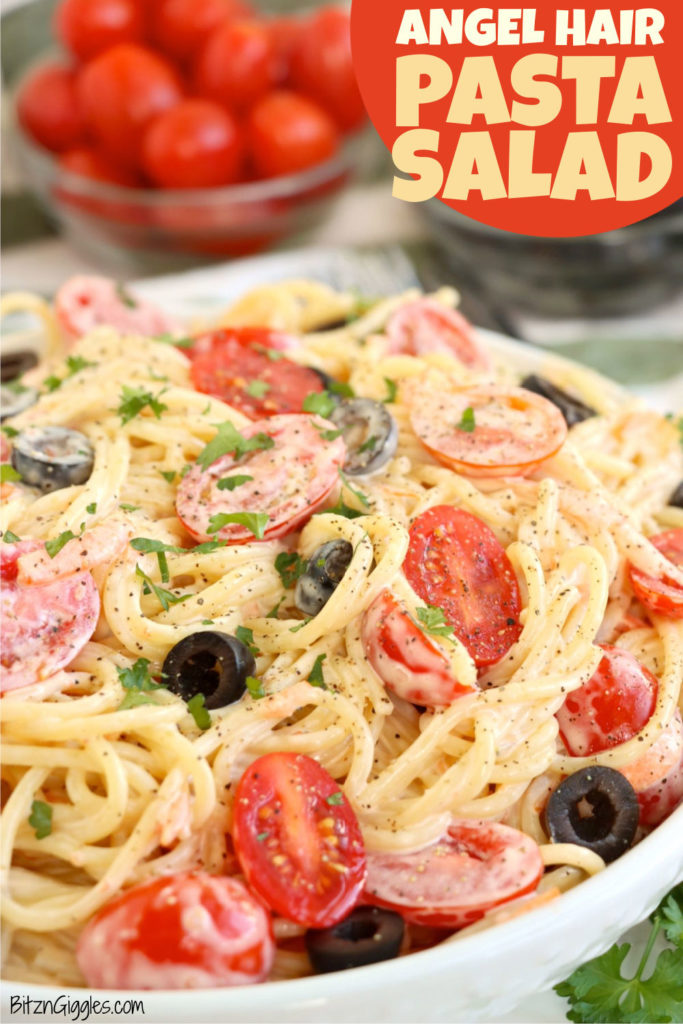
point(477, 977)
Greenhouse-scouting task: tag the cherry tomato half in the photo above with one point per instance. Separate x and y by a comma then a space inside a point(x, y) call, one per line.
point(405, 659)
point(236, 64)
point(48, 107)
point(455, 881)
point(181, 27)
point(242, 366)
point(190, 930)
point(196, 144)
point(456, 563)
point(287, 133)
point(614, 705)
point(90, 163)
point(663, 596)
point(287, 481)
point(510, 432)
point(120, 92)
point(425, 326)
point(89, 27)
point(297, 839)
point(321, 66)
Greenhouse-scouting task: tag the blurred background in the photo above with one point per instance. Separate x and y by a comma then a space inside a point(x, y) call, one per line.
point(288, 161)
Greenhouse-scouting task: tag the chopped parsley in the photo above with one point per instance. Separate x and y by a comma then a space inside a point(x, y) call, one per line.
point(290, 566)
point(467, 423)
point(261, 836)
point(185, 470)
point(328, 435)
point(9, 431)
point(320, 403)
point(8, 473)
point(295, 629)
point(138, 683)
point(433, 621)
point(169, 475)
point(392, 389)
point(246, 636)
point(168, 339)
point(257, 388)
point(354, 491)
point(255, 522)
point(208, 547)
point(165, 597)
point(199, 712)
point(91, 509)
point(16, 387)
point(316, 677)
point(275, 610)
point(10, 538)
point(335, 799)
point(228, 440)
point(74, 364)
point(370, 444)
point(341, 509)
point(340, 387)
point(40, 819)
point(230, 483)
point(255, 688)
point(146, 546)
point(53, 547)
point(124, 296)
point(52, 382)
point(134, 400)
point(129, 508)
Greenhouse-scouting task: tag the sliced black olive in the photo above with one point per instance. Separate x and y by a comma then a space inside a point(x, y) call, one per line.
point(676, 498)
point(13, 364)
point(14, 399)
point(52, 457)
point(596, 808)
point(571, 407)
point(215, 664)
point(324, 573)
point(366, 936)
point(370, 433)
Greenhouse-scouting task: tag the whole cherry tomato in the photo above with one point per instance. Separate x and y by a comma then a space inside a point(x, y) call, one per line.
point(48, 107)
point(90, 163)
point(321, 66)
point(287, 133)
point(194, 145)
point(121, 92)
point(180, 27)
point(89, 27)
point(237, 64)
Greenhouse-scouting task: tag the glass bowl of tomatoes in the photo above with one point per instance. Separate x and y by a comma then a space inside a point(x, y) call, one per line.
point(163, 134)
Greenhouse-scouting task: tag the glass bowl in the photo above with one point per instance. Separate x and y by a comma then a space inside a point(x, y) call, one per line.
point(143, 231)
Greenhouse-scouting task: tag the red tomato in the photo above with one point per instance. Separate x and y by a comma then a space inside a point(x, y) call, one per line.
point(322, 66)
point(425, 326)
point(662, 596)
point(283, 34)
point(44, 626)
point(90, 163)
point(181, 27)
point(226, 364)
point(660, 800)
point(236, 64)
point(83, 303)
point(614, 705)
point(189, 930)
point(297, 839)
point(288, 481)
point(194, 145)
point(511, 432)
point(287, 133)
point(404, 658)
point(455, 881)
point(455, 563)
point(89, 27)
point(121, 91)
point(48, 107)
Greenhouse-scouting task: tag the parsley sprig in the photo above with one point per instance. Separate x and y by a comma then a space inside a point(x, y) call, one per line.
point(74, 364)
point(255, 522)
point(467, 422)
point(53, 547)
point(138, 684)
point(432, 620)
point(321, 403)
point(165, 597)
point(316, 677)
point(8, 473)
point(598, 991)
point(290, 566)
